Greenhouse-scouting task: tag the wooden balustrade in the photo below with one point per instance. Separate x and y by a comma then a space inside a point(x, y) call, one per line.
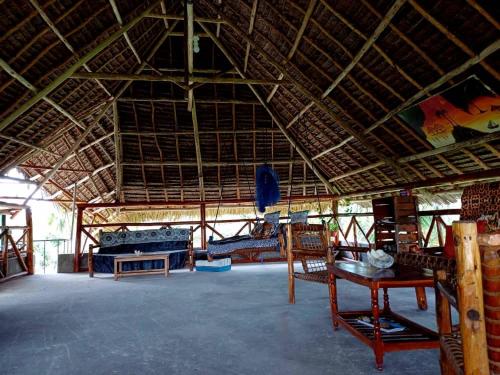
point(350, 233)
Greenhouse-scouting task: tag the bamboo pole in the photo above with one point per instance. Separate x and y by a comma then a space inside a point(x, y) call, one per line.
point(251, 24)
point(366, 46)
point(492, 48)
point(274, 117)
point(317, 101)
point(189, 31)
point(56, 31)
point(125, 34)
point(68, 72)
point(197, 146)
point(89, 129)
point(452, 37)
point(470, 298)
point(298, 37)
point(176, 79)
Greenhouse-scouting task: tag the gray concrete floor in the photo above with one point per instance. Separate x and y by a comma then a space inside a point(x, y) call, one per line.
point(237, 322)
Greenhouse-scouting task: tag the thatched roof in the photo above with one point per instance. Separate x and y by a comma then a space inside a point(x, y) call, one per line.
point(95, 93)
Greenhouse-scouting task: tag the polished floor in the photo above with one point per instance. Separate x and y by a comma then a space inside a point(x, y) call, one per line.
point(237, 322)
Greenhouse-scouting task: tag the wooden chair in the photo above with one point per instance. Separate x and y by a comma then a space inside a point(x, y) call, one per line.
point(464, 350)
point(309, 244)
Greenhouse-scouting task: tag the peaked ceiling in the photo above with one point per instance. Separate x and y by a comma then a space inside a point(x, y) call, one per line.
point(95, 94)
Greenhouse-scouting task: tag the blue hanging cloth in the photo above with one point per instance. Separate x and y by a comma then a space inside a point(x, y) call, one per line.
point(267, 190)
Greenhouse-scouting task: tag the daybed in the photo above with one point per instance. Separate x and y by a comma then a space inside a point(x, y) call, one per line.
point(177, 242)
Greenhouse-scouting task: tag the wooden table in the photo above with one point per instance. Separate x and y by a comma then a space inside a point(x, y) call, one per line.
point(120, 259)
point(413, 337)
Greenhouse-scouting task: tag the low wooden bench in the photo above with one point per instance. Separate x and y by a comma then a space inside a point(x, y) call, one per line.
point(119, 260)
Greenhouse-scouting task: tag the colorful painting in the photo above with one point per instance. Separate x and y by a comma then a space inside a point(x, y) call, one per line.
point(467, 110)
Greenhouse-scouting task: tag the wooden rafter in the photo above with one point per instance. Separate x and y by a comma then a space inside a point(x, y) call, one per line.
point(118, 16)
point(118, 152)
point(101, 114)
point(251, 24)
point(197, 146)
point(452, 37)
point(72, 69)
point(56, 31)
point(189, 30)
point(298, 37)
point(176, 79)
point(274, 117)
point(317, 101)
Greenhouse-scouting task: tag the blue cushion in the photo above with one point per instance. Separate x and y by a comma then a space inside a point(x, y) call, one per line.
point(274, 219)
point(299, 217)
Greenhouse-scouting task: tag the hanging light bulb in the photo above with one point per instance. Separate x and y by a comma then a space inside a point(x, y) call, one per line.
point(196, 43)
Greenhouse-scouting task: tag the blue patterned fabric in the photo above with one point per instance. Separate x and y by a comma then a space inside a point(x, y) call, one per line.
point(168, 240)
point(299, 217)
point(274, 219)
point(109, 239)
point(226, 248)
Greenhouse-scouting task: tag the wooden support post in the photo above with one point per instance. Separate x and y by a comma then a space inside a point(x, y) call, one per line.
point(203, 226)
point(189, 30)
point(29, 242)
point(78, 238)
point(470, 298)
point(5, 254)
point(118, 151)
point(289, 258)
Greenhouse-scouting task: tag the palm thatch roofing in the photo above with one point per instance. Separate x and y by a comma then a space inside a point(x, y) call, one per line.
point(108, 95)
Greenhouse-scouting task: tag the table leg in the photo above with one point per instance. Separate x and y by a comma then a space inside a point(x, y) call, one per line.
point(115, 269)
point(332, 287)
point(378, 346)
point(421, 298)
point(387, 306)
point(167, 266)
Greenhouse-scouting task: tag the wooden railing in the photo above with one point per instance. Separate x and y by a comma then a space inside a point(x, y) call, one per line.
point(355, 230)
point(16, 243)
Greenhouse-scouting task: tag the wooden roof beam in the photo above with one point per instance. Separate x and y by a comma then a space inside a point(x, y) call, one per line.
point(461, 146)
point(77, 65)
point(103, 111)
point(298, 37)
point(181, 18)
point(56, 31)
point(197, 147)
point(492, 48)
point(275, 118)
point(317, 101)
point(189, 34)
point(484, 13)
point(175, 79)
point(125, 34)
point(367, 45)
point(452, 37)
point(189, 132)
point(207, 164)
point(184, 100)
point(251, 24)
point(118, 151)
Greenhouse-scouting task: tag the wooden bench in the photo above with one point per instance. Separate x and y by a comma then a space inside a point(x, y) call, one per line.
point(119, 260)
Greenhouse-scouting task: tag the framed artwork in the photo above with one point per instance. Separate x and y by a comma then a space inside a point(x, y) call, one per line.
point(467, 110)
